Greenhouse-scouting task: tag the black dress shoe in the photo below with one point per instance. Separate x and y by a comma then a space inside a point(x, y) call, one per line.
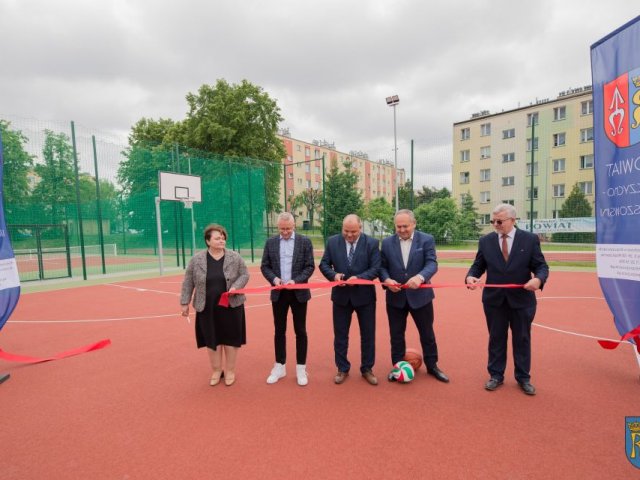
point(439, 374)
point(492, 384)
point(528, 388)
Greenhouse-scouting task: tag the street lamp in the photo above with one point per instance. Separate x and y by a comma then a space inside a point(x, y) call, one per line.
point(392, 101)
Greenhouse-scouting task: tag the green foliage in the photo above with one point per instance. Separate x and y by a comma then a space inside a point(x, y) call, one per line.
point(17, 164)
point(311, 198)
point(407, 197)
point(380, 213)
point(576, 205)
point(441, 219)
point(428, 194)
point(469, 228)
point(342, 197)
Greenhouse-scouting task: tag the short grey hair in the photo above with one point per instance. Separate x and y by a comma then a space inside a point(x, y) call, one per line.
point(405, 211)
point(286, 217)
point(352, 216)
point(505, 207)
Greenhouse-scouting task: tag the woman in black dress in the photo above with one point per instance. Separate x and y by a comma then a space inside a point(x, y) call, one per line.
point(209, 274)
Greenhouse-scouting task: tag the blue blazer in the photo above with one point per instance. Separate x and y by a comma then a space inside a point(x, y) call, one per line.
point(365, 265)
point(525, 262)
point(302, 265)
point(422, 260)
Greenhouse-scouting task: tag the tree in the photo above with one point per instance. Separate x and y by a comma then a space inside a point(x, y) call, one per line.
point(311, 198)
point(428, 194)
point(56, 187)
point(342, 197)
point(406, 195)
point(469, 228)
point(17, 164)
point(441, 219)
point(576, 205)
point(380, 213)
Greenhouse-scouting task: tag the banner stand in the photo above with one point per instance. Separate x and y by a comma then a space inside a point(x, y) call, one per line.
point(4, 377)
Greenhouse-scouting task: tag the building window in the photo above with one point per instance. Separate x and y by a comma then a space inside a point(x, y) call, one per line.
point(485, 152)
point(464, 177)
point(290, 192)
point(586, 135)
point(535, 144)
point(558, 190)
point(535, 215)
point(509, 202)
point(307, 167)
point(485, 175)
point(532, 119)
point(558, 165)
point(535, 168)
point(508, 157)
point(586, 187)
point(509, 133)
point(535, 193)
point(317, 170)
point(308, 183)
point(485, 197)
point(465, 134)
point(587, 107)
point(559, 113)
point(318, 186)
point(465, 156)
point(290, 174)
point(485, 218)
point(317, 154)
point(299, 181)
point(307, 151)
point(556, 214)
point(298, 148)
point(586, 161)
point(508, 181)
point(485, 129)
point(559, 139)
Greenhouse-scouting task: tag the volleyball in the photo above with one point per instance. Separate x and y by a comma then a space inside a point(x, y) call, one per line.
point(403, 372)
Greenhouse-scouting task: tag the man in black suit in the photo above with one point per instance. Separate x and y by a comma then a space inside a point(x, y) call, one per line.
point(288, 259)
point(409, 258)
point(509, 255)
point(348, 257)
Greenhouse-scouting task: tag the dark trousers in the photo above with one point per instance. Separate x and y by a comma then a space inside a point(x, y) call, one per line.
point(280, 309)
point(499, 320)
point(341, 324)
point(423, 318)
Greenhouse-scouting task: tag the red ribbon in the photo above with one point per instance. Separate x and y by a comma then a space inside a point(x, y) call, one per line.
point(10, 357)
point(611, 345)
point(224, 298)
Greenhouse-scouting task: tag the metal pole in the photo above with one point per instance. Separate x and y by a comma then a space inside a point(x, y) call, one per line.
point(395, 154)
point(284, 185)
point(233, 228)
point(193, 223)
point(533, 136)
point(99, 208)
point(79, 212)
point(412, 191)
point(250, 212)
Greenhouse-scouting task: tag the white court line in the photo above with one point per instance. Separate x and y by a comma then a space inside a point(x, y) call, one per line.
point(147, 317)
point(577, 334)
point(139, 289)
point(570, 298)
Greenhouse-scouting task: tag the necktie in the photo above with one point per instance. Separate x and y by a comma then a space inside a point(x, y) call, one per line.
point(350, 256)
point(505, 247)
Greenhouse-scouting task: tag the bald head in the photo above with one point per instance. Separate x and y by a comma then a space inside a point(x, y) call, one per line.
point(351, 228)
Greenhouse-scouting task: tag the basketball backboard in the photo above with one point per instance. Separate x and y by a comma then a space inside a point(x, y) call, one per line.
point(179, 187)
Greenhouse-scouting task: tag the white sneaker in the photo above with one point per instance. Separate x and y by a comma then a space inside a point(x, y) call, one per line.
point(301, 373)
point(277, 372)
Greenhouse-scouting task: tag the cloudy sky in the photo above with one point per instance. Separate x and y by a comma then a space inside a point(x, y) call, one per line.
point(330, 64)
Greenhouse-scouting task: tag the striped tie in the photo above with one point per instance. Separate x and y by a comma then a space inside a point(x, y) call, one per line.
point(350, 256)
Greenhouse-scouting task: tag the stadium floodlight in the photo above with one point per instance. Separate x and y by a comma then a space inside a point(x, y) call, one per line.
point(392, 101)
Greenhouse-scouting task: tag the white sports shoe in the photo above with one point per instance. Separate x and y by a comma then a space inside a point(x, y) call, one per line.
point(277, 372)
point(301, 373)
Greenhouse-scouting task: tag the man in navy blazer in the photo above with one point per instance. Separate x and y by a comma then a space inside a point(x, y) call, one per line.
point(409, 259)
point(351, 256)
point(288, 259)
point(509, 255)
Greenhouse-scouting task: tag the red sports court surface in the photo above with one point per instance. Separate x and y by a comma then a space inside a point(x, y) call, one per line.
point(142, 408)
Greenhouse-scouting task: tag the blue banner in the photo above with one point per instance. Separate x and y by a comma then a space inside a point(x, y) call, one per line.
point(615, 68)
point(9, 280)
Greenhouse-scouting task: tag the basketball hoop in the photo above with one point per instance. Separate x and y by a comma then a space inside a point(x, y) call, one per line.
point(187, 202)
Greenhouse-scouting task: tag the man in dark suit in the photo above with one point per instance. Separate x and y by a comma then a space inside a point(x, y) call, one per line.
point(509, 255)
point(409, 258)
point(348, 257)
point(288, 259)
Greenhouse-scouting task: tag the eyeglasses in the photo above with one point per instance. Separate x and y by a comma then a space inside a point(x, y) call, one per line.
point(499, 222)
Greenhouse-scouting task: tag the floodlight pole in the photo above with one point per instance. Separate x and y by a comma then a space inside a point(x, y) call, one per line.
point(159, 226)
point(393, 101)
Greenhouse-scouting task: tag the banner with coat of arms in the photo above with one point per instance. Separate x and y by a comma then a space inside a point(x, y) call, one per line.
point(615, 67)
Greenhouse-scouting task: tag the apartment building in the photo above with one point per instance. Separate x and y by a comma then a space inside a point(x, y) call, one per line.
point(494, 155)
point(303, 170)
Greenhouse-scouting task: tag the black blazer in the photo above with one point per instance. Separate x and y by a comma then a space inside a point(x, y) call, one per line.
point(525, 261)
point(302, 264)
point(365, 265)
